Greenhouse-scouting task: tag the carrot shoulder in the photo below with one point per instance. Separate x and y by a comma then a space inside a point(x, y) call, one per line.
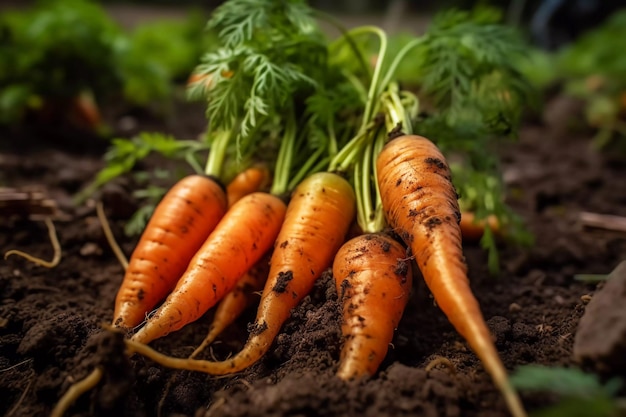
point(181, 222)
point(241, 238)
point(373, 279)
point(420, 203)
point(317, 220)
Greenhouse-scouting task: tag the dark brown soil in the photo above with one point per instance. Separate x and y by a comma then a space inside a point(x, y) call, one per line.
point(50, 320)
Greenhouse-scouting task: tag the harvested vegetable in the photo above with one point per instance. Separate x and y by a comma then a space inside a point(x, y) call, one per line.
point(317, 220)
point(373, 278)
point(420, 203)
point(235, 302)
point(177, 229)
point(240, 239)
point(472, 229)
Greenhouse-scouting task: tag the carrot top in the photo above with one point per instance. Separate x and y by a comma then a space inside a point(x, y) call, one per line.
point(463, 67)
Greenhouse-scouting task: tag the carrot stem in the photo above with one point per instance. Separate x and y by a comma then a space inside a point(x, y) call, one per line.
point(219, 145)
point(285, 156)
point(347, 155)
point(309, 167)
point(348, 36)
point(399, 57)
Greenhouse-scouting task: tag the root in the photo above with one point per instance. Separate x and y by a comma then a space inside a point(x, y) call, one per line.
point(109, 236)
point(21, 399)
point(75, 391)
point(55, 245)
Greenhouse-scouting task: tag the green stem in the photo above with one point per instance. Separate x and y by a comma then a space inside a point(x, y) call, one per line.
point(362, 170)
point(306, 168)
point(357, 84)
point(395, 110)
point(342, 160)
point(399, 57)
point(348, 36)
point(359, 183)
point(379, 215)
point(285, 156)
point(370, 216)
point(215, 160)
point(375, 84)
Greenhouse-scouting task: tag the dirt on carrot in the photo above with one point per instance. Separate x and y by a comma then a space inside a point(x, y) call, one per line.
point(373, 279)
point(184, 218)
point(49, 319)
point(420, 204)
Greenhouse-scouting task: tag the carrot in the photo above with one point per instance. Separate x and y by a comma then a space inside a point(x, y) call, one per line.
point(243, 235)
point(180, 224)
point(420, 203)
point(246, 182)
point(84, 111)
point(373, 279)
point(472, 229)
point(235, 302)
point(317, 220)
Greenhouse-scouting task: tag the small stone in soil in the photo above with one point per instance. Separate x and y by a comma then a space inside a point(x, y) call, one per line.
point(601, 336)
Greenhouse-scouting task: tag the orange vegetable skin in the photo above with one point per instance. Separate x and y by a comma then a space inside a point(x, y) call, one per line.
point(373, 278)
point(472, 230)
point(180, 224)
point(317, 220)
point(235, 302)
point(246, 182)
point(241, 238)
point(420, 203)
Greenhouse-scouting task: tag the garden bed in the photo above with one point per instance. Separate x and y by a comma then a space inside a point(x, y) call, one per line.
point(50, 320)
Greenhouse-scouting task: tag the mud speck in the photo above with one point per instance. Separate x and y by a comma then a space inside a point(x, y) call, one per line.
point(282, 281)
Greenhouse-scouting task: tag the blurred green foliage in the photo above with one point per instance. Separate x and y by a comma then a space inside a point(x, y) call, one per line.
point(59, 49)
point(580, 394)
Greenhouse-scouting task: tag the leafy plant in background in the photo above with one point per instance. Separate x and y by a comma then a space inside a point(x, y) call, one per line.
point(592, 70)
point(581, 394)
point(595, 71)
point(160, 53)
point(123, 157)
point(60, 52)
point(55, 52)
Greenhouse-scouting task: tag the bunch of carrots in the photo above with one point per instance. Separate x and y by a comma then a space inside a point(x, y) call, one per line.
point(346, 153)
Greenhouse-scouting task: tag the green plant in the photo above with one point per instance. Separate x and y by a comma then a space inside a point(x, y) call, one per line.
point(57, 52)
point(580, 394)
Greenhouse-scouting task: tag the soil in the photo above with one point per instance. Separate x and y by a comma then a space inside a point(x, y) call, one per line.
point(50, 319)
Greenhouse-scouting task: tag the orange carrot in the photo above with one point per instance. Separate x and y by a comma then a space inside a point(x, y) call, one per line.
point(180, 224)
point(246, 182)
point(472, 229)
point(420, 203)
point(317, 220)
point(235, 302)
point(84, 111)
point(243, 235)
point(373, 279)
